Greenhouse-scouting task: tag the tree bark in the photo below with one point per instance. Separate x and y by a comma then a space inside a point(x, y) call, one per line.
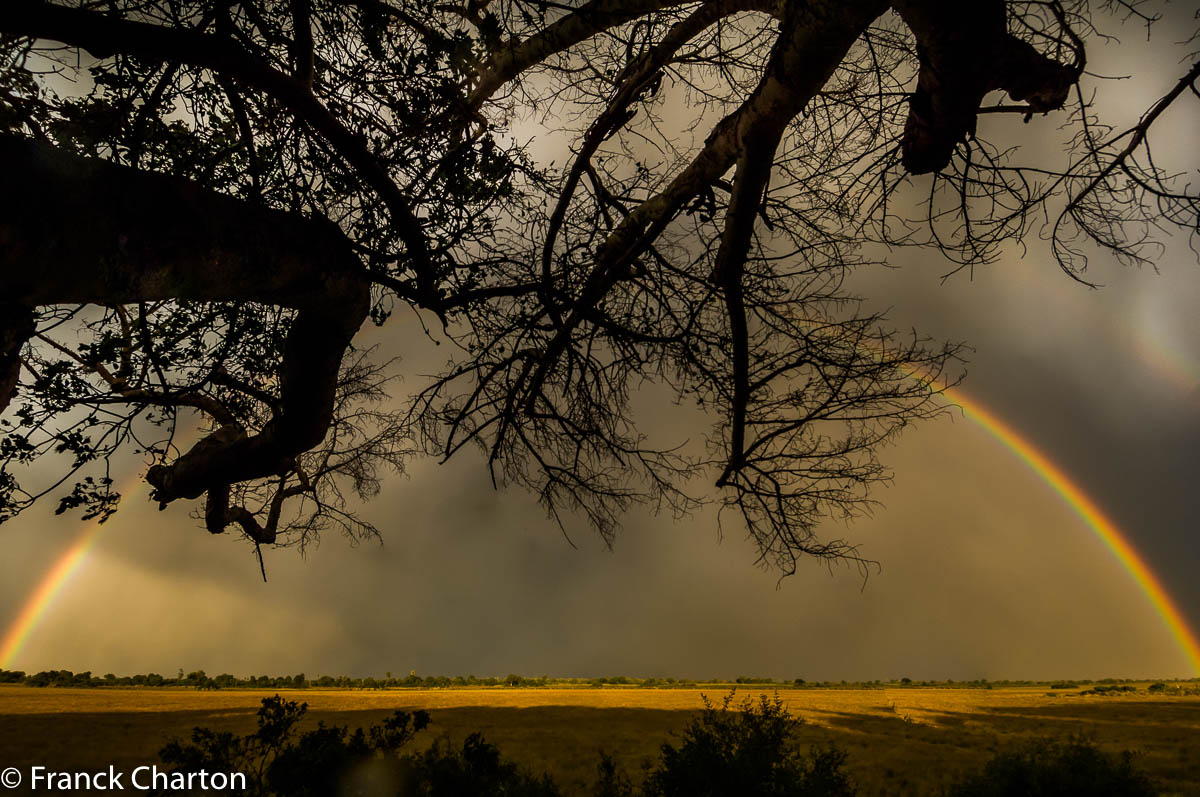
point(966, 51)
point(16, 327)
point(103, 36)
point(82, 230)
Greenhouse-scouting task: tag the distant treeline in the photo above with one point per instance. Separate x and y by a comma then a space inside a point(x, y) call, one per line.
point(201, 680)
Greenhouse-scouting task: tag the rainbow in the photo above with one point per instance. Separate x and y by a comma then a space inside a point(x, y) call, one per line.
point(1154, 348)
point(38, 603)
point(42, 598)
point(1090, 513)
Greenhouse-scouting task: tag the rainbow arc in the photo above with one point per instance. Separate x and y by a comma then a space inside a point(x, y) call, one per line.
point(1090, 513)
point(37, 606)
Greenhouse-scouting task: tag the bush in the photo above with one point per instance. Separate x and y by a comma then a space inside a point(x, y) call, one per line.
point(610, 780)
point(476, 769)
point(1109, 690)
point(1076, 768)
point(331, 760)
point(750, 751)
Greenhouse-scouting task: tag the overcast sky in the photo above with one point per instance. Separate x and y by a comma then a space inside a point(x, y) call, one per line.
point(985, 571)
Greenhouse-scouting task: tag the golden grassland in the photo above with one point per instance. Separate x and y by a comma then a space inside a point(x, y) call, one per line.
point(899, 741)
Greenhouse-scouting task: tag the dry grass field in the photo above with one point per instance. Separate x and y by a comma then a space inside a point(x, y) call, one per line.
point(900, 741)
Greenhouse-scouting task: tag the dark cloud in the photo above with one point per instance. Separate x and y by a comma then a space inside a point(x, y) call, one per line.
point(1079, 373)
point(985, 571)
point(984, 574)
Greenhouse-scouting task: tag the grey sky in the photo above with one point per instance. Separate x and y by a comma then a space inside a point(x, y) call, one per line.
point(985, 571)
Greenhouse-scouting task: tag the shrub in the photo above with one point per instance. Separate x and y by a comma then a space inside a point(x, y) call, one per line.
point(1109, 690)
point(749, 751)
point(476, 769)
point(330, 760)
point(1076, 768)
point(610, 780)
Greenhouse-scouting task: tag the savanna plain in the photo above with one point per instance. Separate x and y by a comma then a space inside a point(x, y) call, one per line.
point(899, 741)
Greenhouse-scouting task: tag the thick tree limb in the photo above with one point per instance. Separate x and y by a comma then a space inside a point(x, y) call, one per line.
point(751, 181)
point(104, 36)
point(16, 327)
point(758, 142)
point(303, 57)
point(965, 51)
point(218, 514)
point(136, 236)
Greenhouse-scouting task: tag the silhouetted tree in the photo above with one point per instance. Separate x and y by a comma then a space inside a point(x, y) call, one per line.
point(204, 201)
point(751, 751)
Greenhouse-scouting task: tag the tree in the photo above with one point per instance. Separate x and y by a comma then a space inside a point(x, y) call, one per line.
point(752, 749)
point(206, 199)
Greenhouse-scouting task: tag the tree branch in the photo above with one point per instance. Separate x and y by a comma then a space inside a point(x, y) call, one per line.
point(302, 42)
point(635, 80)
point(965, 51)
point(104, 36)
point(803, 59)
point(514, 57)
point(16, 327)
point(138, 236)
